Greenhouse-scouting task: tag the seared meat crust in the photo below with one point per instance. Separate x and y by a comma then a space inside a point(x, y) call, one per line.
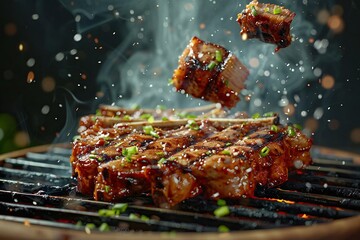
point(181, 162)
point(267, 22)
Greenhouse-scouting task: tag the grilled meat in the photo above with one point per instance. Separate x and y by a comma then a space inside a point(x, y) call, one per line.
point(268, 22)
point(210, 72)
point(177, 162)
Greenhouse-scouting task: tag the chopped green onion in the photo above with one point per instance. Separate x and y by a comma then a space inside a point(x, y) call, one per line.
point(135, 107)
point(277, 10)
point(120, 207)
point(97, 157)
point(225, 152)
point(98, 112)
point(162, 161)
point(145, 116)
point(222, 211)
point(223, 228)
point(144, 218)
point(154, 134)
point(190, 116)
point(129, 151)
point(107, 212)
point(226, 82)
point(149, 130)
point(193, 125)
point(170, 81)
point(161, 154)
point(90, 226)
point(268, 114)
point(253, 11)
point(126, 117)
point(264, 151)
point(274, 128)
point(211, 65)
point(256, 115)
point(218, 56)
point(151, 119)
point(228, 144)
point(221, 202)
point(291, 132)
point(133, 216)
point(104, 227)
point(267, 9)
point(107, 188)
point(165, 119)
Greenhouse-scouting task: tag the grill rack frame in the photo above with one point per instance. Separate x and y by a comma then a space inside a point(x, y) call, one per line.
point(346, 228)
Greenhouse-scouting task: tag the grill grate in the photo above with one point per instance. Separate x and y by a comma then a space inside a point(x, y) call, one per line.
point(36, 188)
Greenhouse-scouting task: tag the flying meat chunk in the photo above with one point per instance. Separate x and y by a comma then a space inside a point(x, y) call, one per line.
point(210, 72)
point(267, 22)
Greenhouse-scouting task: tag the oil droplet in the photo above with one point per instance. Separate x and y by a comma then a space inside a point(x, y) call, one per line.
point(30, 77)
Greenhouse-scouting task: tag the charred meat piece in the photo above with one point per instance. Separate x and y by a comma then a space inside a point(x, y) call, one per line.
point(126, 177)
point(210, 72)
point(225, 166)
point(268, 22)
point(212, 157)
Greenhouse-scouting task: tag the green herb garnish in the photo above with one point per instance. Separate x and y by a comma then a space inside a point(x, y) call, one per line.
point(104, 227)
point(193, 125)
point(221, 202)
point(268, 114)
point(225, 152)
point(264, 151)
point(256, 115)
point(222, 211)
point(253, 11)
point(107, 188)
point(149, 130)
point(129, 151)
point(135, 107)
point(162, 161)
point(274, 128)
point(291, 132)
point(211, 65)
point(121, 207)
point(170, 81)
point(218, 56)
point(277, 10)
point(223, 229)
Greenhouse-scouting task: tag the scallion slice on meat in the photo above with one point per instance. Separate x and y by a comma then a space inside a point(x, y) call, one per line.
point(211, 65)
point(264, 151)
point(253, 11)
point(277, 10)
point(129, 151)
point(218, 56)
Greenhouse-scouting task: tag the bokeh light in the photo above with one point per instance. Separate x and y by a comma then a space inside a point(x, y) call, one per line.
point(355, 135)
point(10, 29)
point(48, 84)
point(328, 82)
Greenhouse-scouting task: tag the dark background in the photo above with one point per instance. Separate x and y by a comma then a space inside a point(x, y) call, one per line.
point(25, 122)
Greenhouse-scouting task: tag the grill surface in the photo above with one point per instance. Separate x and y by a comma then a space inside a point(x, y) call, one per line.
point(35, 189)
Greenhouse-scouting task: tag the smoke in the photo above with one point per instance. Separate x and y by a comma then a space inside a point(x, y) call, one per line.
point(137, 71)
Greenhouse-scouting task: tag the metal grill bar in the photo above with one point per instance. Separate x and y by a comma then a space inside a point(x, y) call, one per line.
point(38, 187)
